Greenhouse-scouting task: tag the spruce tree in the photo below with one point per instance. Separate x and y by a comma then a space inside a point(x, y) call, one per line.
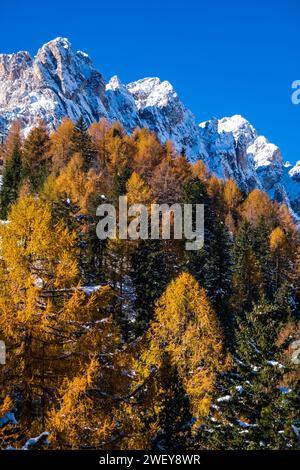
point(81, 143)
point(218, 269)
point(119, 182)
point(117, 269)
point(251, 409)
point(248, 285)
point(11, 180)
point(150, 277)
point(261, 247)
point(194, 192)
point(174, 420)
point(36, 157)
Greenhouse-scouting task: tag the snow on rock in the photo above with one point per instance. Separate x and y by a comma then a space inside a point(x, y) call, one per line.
point(55, 83)
point(233, 149)
point(160, 110)
point(275, 364)
point(34, 442)
point(122, 106)
point(226, 142)
point(151, 92)
point(225, 398)
point(244, 424)
point(295, 172)
point(291, 184)
point(240, 128)
point(89, 290)
point(267, 160)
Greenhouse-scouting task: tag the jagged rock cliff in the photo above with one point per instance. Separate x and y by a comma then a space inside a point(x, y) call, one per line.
point(59, 82)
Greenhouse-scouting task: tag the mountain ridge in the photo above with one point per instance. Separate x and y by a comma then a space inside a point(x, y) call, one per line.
point(59, 82)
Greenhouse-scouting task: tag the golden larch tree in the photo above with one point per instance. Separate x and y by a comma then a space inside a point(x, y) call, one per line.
point(186, 327)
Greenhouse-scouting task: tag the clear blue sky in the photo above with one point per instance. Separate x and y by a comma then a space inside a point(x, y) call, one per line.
point(223, 57)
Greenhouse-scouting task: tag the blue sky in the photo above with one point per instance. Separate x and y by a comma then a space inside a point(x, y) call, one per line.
point(223, 57)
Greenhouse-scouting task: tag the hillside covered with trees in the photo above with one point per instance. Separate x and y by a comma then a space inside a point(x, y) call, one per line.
point(141, 344)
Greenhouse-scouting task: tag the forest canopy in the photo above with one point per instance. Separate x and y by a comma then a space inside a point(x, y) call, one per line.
point(141, 344)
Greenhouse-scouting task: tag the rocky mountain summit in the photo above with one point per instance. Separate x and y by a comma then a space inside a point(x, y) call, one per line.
point(59, 82)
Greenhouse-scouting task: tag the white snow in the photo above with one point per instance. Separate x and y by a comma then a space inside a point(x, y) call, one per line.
point(151, 92)
point(90, 289)
point(295, 170)
point(275, 364)
point(114, 83)
point(263, 152)
point(83, 54)
point(244, 424)
point(38, 281)
point(32, 442)
point(225, 398)
point(235, 124)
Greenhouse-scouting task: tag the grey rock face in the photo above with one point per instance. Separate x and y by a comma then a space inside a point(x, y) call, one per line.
point(56, 83)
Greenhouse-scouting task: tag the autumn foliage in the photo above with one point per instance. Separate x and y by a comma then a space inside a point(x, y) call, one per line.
point(115, 344)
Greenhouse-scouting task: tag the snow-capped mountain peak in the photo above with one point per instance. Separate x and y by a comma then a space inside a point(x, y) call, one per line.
point(295, 172)
point(238, 126)
point(114, 83)
point(59, 82)
point(151, 92)
point(58, 43)
point(56, 83)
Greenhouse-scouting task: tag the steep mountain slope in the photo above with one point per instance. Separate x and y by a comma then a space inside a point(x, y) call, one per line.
point(235, 150)
point(56, 83)
point(154, 104)
point(59, 82)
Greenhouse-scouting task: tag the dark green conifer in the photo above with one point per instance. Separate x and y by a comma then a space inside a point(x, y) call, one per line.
point(82, 143)
point(11, 180)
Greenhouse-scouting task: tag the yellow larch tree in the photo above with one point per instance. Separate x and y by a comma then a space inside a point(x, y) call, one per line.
point(87, 411)
point(200, 170)
point(148, 153)
point(50, 324)
point(60, 144)
point(138, 192)
point(182, 170)
point(215, 188)
point(232, 199)
point(80, 190)
point(258, 206)
point(12, 139)
point(38, 265)
point(186, 327)
point(119, 148)
point(279, 252)
point(98, 132)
